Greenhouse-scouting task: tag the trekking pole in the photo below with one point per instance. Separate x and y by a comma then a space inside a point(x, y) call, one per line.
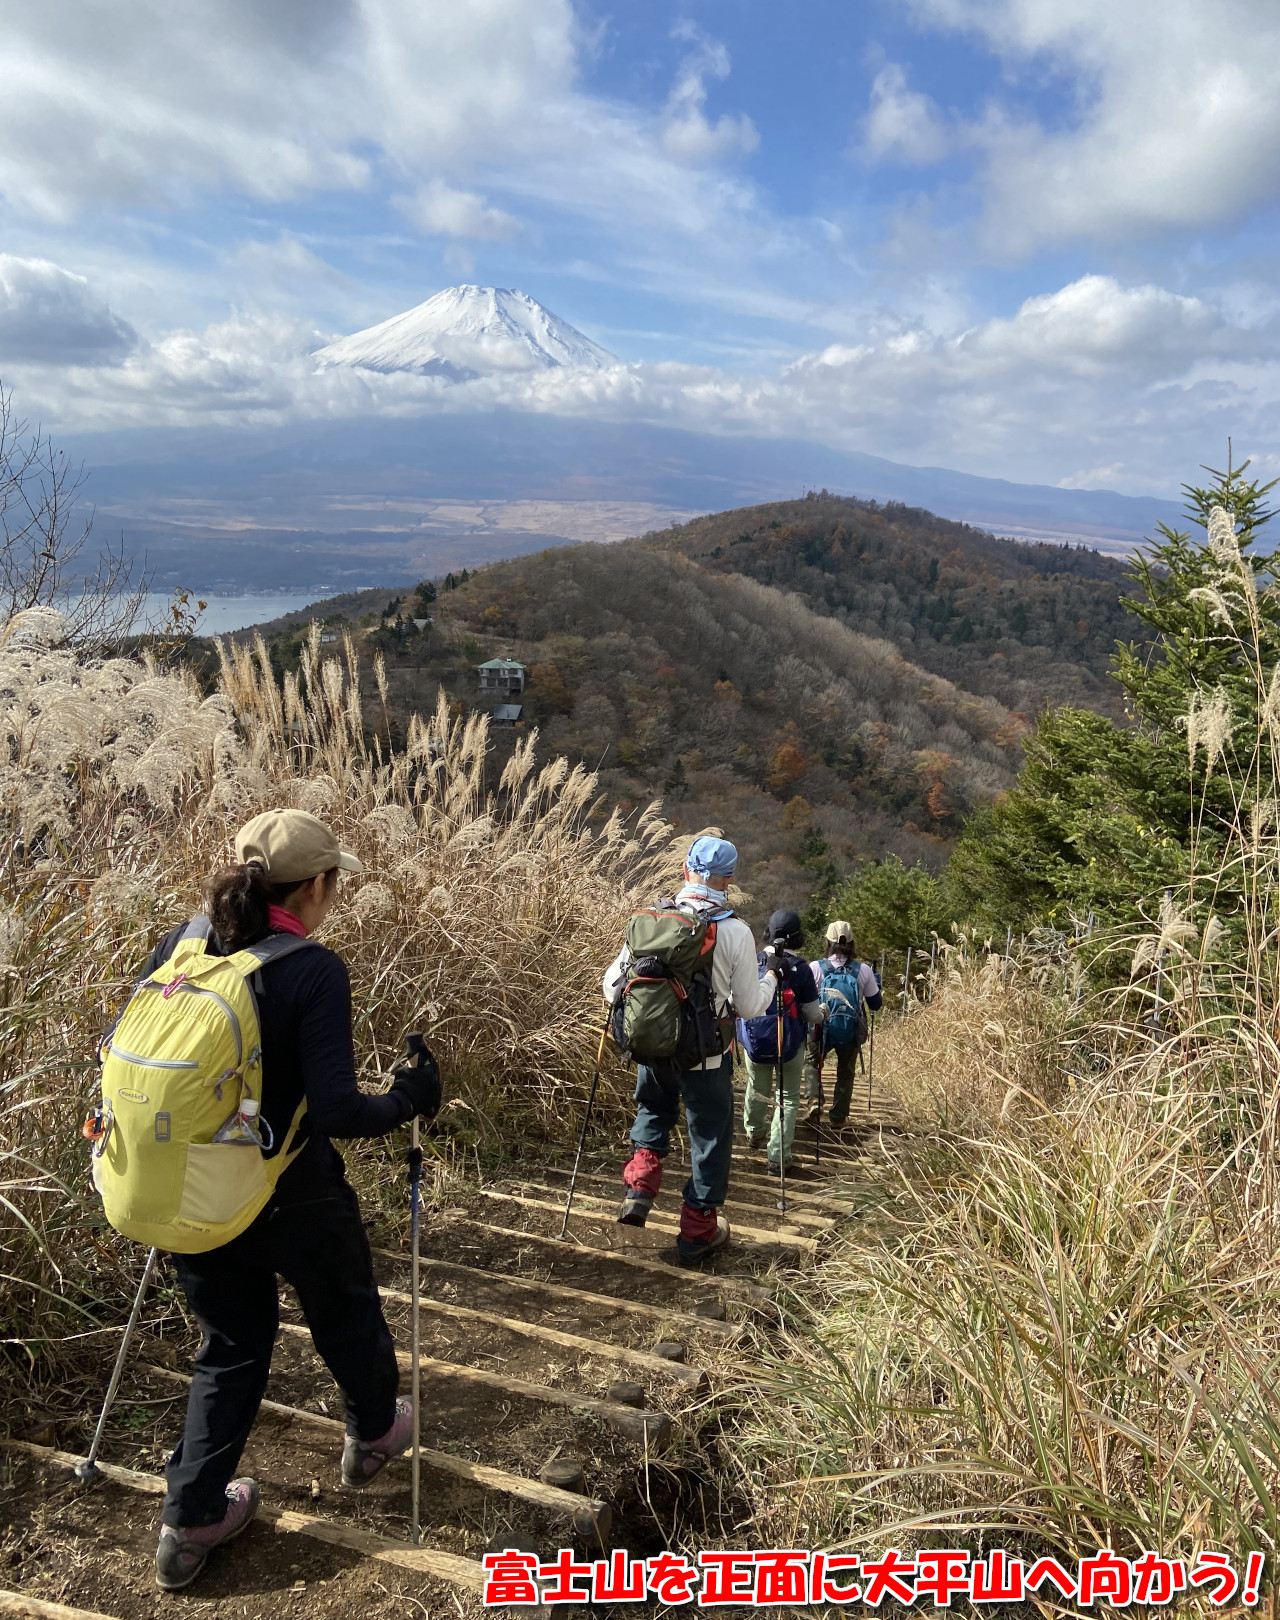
point(871, 1062)
point(586, 1120)
point(415, 1045)
point(88, 1469)
point(817, 1124)
point(782, 1112)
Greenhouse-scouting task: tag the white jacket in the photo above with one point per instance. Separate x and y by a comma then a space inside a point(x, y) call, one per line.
point(735, 974)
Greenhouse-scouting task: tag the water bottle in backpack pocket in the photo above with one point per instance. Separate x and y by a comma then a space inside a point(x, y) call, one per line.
point(759, 1036)
point(178, 1150)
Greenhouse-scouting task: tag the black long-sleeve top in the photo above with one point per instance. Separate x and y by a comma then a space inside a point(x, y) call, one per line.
point(304, 1013)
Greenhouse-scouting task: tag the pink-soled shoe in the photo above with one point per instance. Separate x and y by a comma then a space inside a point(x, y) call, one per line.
point(362, 1460)
point(182, 1551)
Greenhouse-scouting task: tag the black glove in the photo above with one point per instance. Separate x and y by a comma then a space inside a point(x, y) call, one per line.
point(420, 1083)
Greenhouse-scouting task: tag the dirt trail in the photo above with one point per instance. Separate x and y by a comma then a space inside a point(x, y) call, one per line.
point(524, 1337)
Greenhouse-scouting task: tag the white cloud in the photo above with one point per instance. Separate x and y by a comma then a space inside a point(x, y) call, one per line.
point(1176, 123)
point(49, 314)
point(687, 134)
point(443, 211)
point(151, 100)
point(287, 261)
point(1138, 382)
point(450, 109)
point(903, 125)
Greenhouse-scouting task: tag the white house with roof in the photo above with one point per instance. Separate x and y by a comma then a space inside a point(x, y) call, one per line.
point(501, 677)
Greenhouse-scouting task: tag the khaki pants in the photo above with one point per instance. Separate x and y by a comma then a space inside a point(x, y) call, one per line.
point(760, 1110)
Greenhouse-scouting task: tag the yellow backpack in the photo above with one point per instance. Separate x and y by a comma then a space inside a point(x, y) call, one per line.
point(181, 1058)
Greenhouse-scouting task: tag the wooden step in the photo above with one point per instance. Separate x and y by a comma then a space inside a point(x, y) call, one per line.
point(735, 1287)
point(445, 1566)
point(584, 1511)
point(782, 1238)
point(648, 1428)
point(820, 1223)
point(610, 1302)
point(41, 1609)
point(762, 1183)
point(655, 1366)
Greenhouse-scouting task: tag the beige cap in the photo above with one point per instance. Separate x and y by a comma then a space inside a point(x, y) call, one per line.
point(292, 846)
point(839, 933)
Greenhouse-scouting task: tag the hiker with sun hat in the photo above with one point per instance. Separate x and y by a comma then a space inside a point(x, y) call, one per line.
point(848, 989)
point(287, 1094)
point(703, 1080)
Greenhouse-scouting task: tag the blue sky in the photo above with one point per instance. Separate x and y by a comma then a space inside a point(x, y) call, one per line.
point(1028, 238)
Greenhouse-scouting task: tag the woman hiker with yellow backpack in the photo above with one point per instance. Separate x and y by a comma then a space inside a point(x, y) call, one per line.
point(240, 1014)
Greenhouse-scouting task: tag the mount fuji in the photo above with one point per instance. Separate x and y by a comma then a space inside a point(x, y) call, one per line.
point(468, 332)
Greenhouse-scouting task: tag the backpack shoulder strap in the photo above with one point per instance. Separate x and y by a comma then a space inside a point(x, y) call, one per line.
point(198, 928)
point(276, 946)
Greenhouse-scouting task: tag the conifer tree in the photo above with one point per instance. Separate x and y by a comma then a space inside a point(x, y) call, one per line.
point(1104, 817)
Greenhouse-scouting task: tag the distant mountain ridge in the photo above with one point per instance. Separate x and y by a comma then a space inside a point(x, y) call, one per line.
point(467, 332)
point(334, 504)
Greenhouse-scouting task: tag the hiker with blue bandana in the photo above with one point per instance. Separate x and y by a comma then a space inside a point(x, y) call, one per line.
point(687, 967)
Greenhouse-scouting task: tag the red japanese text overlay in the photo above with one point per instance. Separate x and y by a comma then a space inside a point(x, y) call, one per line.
point(926, 1578)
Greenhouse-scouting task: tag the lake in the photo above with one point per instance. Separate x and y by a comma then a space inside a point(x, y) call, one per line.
point(226, 613)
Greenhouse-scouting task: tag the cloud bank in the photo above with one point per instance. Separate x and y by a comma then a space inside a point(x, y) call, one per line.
point(1127, 386)
point(1172, 122)
point(49, 314)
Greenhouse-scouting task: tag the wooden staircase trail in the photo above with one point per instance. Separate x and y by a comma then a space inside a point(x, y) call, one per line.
point(525, 1342)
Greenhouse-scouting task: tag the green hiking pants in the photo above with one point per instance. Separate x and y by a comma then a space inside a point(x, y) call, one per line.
point(760, 1112)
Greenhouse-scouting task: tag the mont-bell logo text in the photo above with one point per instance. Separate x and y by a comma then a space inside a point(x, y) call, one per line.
point(132, 1096)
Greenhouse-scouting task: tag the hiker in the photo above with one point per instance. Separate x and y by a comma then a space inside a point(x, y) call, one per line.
point(310, 1231)
point(704, 1084)
point(801, 1010)
point(848, 988)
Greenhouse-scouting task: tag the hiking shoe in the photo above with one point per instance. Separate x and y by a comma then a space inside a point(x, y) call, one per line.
point(363, 1460)
point(691, 1253)
point(635, 1208)
point(814, 1116)
point(838, 1122)
point(181, 1552)
point(755, 1140)
point(773, 1165)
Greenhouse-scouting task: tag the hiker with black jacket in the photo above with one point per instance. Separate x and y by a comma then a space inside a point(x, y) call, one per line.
point(310, 1232)
point(800, 1011)
point(706, 1087)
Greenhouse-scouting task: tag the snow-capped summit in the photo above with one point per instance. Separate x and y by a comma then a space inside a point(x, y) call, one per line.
point(467, 332)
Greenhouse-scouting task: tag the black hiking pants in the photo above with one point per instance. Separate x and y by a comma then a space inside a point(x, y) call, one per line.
point(846, 1067)
point(316, 1242)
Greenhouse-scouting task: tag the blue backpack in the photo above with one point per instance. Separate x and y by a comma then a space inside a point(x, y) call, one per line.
point(759, 1036)
point(846, 1024)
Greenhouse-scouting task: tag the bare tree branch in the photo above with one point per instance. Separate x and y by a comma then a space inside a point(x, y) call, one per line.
point(45, 556)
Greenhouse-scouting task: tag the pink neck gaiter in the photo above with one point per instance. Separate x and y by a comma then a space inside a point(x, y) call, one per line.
point(280, 921)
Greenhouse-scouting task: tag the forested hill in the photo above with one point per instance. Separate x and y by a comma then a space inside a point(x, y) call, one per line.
point(1029, 624)
point(829, 680)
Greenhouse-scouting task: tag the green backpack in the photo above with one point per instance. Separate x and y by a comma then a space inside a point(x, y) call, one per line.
point(664, 1012)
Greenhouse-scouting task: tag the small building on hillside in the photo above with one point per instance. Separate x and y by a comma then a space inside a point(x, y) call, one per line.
point(508, 714)
point(501, 677)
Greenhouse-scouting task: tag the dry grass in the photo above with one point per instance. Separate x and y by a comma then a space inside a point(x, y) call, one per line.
point(1058, 1323)
point(1061, 1323)
point(485, 919)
